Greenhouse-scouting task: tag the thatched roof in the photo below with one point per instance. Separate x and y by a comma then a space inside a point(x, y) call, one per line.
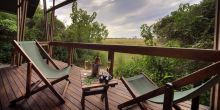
point(10, 6)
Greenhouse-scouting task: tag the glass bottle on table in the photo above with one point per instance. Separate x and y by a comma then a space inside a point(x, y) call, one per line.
point(86, 67)
point(108, 65)
point(96, 66)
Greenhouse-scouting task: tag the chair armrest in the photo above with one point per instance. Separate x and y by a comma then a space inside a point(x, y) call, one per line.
point(144, 97)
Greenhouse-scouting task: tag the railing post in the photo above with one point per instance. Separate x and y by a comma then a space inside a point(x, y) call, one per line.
point(168, 97)
point(195, 100)
point(70, 54)
point(111, 59)
point(50, 50)
point(215, 92)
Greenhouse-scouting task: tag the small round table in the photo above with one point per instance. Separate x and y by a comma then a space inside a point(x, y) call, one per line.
point(95, 88)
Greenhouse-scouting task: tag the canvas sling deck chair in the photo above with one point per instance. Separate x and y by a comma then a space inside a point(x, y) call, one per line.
point(34, 55)
point(142, 88)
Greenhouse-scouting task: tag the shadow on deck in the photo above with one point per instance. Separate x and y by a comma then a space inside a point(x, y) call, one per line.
point(12, 83)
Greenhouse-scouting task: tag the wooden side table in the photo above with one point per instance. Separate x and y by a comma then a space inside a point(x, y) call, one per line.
point(95, 88)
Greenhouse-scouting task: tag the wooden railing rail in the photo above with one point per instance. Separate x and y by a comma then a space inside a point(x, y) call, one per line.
point(208, 55)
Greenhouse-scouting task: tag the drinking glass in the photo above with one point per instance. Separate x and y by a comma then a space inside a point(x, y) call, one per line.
point(108, 65)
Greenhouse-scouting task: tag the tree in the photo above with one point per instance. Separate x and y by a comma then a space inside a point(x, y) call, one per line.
point(8, 30)
point(35, 27)
point(146, 33)
point(84, 28)
point(191, 25)
point(34, 31)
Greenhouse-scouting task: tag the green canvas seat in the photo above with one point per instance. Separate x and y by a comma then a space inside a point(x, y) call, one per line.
point(37, 58)
point(31, 49)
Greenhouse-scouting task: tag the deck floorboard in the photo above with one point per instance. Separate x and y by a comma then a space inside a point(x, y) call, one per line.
point(12, 83)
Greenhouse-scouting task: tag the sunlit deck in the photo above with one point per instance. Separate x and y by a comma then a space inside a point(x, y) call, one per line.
point(12, 83)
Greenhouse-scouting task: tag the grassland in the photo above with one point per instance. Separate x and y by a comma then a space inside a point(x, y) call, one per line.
point(122, 58)
point(124, 41)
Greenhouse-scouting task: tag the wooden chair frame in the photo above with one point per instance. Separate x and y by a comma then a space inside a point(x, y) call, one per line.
point(30, 87)
point(133, 94)
point(168, 89)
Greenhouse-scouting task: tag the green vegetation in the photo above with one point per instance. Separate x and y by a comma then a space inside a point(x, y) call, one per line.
point(84, 28)
point(124, 41)
point(121, 58)
point(7, 31)
point(89, 80)
point(191, 26)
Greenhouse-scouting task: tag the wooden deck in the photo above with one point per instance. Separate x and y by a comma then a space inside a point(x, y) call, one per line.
point(12, 83)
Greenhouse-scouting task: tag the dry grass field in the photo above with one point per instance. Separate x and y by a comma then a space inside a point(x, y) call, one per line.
point(124, 41)
point(121, 58)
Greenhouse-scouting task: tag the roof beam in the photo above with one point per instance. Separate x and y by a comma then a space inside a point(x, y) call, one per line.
point(60, 5)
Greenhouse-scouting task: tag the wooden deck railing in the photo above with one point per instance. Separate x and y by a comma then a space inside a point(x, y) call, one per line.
point(208, 55)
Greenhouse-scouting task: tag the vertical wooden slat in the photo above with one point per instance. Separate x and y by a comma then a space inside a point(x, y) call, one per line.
point(111, 59)
point(215, 92)
point(50, 51)
point(52, 22)
point(18, 28)
point(24, 14)
point(70, 56)
point(28, 80)
point(168, 97)
point(18, 19)
point(51, 30)
point(23, 21)
point(45, 20)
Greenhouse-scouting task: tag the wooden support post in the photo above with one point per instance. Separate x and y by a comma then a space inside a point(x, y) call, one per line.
point(52, 22)
point(111, 59)
point(13, 57)
point(195, 100)
point(215, 92)
point(28, 80)
point(168, 97)
point(45, 20)
point(50, 51)
point(23, 21)
point(18, 29)
point(70, 52)
point(21, 18)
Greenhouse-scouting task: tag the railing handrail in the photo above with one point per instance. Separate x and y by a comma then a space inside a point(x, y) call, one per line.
point(209, 55)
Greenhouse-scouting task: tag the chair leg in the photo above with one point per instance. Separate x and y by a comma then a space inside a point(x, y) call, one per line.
point(176, 107)
point(142, 107)
point(195, 103)
point(65, 89)
point(83, 101)
point(56, 94)
point(13, 102)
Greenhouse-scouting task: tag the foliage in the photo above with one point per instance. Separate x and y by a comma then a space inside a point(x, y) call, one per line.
point(8, 30)
point(191, 25)
point(85, 29)
point(146, 33)
point(89, 80)
point(5, 52)
point(34, 31)
point(35, 28)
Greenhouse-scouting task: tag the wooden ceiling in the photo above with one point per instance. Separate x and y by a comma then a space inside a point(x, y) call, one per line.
point(10, 6)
